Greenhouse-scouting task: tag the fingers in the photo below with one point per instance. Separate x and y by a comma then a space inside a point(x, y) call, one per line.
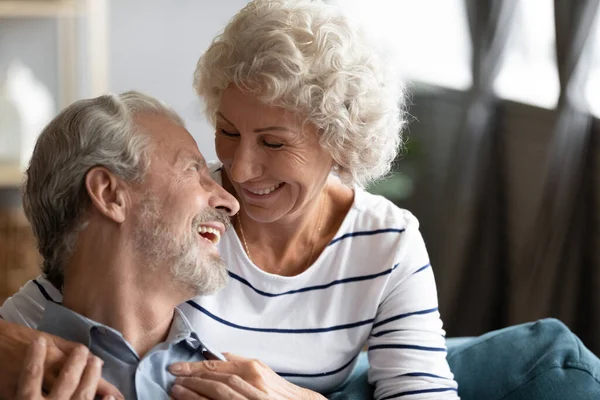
point(226, 367)
point(209, 388)
point(32, 374)
point(237, 385)
point(89, 380)
point(181, 393)
point(107, 390)
point(70, 375)
point(233, 357)
point(188, 368)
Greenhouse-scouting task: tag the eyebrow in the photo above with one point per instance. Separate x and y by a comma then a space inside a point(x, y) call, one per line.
point(273, 128)
point(222, 116)
point(261, 130)
point(184, 155)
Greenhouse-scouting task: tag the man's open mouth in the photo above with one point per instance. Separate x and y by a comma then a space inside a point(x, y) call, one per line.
point(209, 233)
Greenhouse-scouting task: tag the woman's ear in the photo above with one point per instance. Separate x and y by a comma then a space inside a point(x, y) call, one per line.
point(107, 193)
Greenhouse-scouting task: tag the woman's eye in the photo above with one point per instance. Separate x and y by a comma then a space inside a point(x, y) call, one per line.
point(229, 134)
point(272, 145)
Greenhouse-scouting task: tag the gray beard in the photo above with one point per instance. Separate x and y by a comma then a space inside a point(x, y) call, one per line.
point(162, 249)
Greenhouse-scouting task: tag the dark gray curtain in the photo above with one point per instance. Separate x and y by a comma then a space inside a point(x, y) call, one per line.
point(559, 274)
point(488, 277)
point(475, 193)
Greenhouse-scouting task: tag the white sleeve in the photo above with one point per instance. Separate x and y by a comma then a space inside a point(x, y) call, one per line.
point(26, 307)
point(407, 351)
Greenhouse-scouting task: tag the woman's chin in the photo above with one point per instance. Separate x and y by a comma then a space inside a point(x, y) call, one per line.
point(264, 215)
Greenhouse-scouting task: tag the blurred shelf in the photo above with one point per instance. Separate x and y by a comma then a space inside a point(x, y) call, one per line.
point(10, 176)
point(39, 8)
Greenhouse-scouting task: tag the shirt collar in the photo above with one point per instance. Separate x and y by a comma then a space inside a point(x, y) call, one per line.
point(60, 321)
point(181, 330)
point(63, 322)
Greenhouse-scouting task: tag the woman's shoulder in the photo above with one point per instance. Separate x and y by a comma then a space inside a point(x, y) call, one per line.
point(377, 227)
point(376, 212)
point(379, 234)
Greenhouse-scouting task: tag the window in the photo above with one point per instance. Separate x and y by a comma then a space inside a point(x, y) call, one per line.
point(528, 72)
point(592, 87)
point(429, 38)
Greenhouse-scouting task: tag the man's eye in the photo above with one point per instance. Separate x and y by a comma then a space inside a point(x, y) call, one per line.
point(272, 145)
point(229, 134)
point(195, 167)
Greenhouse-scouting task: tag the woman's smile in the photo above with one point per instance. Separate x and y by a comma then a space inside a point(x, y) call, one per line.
point(260, 195)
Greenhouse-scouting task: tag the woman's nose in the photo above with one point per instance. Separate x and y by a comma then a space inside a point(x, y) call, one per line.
point(245, 164)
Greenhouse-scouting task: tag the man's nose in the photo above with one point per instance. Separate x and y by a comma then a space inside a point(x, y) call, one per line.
point(221, 199)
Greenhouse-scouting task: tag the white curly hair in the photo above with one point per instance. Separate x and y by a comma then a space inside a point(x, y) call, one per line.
point(306, 57)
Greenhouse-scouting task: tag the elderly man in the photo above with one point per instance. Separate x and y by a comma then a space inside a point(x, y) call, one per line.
point(126, 217)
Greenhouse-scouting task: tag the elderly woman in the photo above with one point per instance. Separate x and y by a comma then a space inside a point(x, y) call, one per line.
point(305, 116)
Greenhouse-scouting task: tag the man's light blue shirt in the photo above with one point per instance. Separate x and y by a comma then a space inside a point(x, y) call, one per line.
point(146, 378)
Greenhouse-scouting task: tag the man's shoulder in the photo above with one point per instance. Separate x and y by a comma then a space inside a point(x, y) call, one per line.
point(26, 307)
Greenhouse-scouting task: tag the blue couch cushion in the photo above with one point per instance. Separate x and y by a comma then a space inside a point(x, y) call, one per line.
point(541, 360)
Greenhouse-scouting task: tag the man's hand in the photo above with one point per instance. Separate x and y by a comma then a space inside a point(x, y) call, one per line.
point(78, 379)
point(14, 343)
point(239, 378)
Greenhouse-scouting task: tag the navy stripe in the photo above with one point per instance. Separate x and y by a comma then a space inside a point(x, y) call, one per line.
point(44, 292)
point(400, 316)
point(365, 233)
point(411, 392)
point(421, 269)
point(217, 170)
point(319, 375)
point(317, 287)
point(406, 346)
point(273, 330)
point(386, 332)
point(418, 374)
point(381, 333)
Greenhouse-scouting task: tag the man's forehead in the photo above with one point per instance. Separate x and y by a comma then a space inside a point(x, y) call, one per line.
point(170, 139)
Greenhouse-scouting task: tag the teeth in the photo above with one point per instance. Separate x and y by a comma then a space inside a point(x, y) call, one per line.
point(266, 191)
point(208, 229)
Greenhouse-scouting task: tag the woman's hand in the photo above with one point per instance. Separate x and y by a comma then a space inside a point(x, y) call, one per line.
point(78, 379)
point(14, 343)
point(238, 378)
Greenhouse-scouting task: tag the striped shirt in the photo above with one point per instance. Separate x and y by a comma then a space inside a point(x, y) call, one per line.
point(372, 285)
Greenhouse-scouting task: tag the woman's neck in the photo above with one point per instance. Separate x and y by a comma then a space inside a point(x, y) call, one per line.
point(290, 245)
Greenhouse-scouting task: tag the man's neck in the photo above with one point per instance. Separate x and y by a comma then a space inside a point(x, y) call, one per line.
point(114, 289)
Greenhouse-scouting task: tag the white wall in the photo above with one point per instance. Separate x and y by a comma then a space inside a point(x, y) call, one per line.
point(154, 46)
point(32, 41)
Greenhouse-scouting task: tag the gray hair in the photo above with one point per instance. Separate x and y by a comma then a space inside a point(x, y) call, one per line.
point(88, 133)
point(306, 57)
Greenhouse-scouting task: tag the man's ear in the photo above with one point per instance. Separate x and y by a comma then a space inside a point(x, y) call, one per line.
point(107, 193)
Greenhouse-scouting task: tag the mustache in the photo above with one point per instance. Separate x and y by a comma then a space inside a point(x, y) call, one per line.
point(212, 215)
